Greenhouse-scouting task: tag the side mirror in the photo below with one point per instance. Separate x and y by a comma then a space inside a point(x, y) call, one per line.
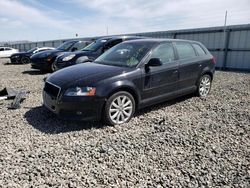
point(74, 49)
point(154, 62)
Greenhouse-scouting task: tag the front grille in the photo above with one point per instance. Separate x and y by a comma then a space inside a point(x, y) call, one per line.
point(52, 89)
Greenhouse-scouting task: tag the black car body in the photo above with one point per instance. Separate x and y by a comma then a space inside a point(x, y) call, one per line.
point(24, 57)
point(90, 52)
point(140, 72)
point(44, 60)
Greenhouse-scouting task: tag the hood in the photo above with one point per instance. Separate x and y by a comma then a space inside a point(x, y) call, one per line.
point(84, 74)
point(48, 53)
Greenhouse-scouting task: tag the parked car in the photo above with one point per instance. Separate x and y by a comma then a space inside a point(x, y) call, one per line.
point(43, 60)
point(6, 52)
point(130, 76)
point(24, 57)
point(90, 52)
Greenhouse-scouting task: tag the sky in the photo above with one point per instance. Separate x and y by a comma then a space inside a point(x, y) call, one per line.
point(38, 20)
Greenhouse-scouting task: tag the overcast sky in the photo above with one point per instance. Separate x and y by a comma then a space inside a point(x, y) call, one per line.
point(54, 19)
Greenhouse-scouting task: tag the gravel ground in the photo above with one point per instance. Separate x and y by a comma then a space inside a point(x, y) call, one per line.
point(188, 142)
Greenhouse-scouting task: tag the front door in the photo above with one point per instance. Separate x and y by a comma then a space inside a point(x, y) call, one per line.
point(161, 81)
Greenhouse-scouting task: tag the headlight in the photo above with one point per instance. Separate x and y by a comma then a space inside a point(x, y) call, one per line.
point(67, 58)
point(80, 91)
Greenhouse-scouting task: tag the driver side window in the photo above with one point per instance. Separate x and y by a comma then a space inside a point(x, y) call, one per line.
point(164, 52)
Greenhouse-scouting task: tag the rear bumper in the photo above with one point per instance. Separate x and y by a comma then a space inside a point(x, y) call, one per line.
point(74, 108)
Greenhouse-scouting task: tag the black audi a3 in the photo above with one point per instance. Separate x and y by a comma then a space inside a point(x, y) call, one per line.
point(130, 76)
point(44, 60)
point(90, 52)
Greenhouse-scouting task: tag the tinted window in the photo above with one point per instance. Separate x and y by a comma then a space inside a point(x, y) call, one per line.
point(7, 49)
point(94, 46)
point(66, 45)
point(79, 45)
point(164, 52)
point(1, 49)
point(185, 50)
point(199, 50)
point(112, 43)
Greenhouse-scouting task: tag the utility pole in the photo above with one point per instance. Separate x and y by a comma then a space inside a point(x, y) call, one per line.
point(225, 42)
point(107, 30)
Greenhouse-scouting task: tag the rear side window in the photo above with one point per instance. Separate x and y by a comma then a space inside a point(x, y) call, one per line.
point(199, 49)
point(185, 50)
point(164, 52)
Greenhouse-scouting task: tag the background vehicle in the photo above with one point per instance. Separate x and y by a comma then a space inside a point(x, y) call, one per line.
point(90, 52)
point(44, 60)
point(24, 57)
point(131, 75)
point(6, 52)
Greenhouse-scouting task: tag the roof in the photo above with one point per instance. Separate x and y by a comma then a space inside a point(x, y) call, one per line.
point(157, 40)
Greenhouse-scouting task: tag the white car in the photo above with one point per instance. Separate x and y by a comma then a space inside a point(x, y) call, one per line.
point(6, 52)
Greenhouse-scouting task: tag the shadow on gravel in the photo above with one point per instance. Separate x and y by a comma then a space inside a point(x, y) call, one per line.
point(34, 72)
point(45, 121)
point(163, 104)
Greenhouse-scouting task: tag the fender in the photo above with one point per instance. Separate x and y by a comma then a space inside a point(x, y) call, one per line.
point(121, 85)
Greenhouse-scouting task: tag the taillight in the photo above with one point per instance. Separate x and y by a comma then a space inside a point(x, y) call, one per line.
point(213, 60)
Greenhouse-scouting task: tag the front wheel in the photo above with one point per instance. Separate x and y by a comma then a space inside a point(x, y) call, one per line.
point(119, 108)
point(25, 60)
point(204, 85)
point(53, 67)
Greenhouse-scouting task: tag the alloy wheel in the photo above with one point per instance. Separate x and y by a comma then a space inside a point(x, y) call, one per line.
point(205, 85)
point(121, 109)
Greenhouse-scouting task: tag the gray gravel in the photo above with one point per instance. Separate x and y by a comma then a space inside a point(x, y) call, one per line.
point(188, 142)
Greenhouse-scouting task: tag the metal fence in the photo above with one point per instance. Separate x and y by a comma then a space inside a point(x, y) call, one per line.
point(230, 45)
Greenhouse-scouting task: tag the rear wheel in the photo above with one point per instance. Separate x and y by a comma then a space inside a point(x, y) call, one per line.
point(25, 60)
point(204, 85)
point(119, 108)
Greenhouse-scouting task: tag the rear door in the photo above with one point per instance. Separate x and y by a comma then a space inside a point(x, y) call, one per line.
point(188, 65)
point(161, 80)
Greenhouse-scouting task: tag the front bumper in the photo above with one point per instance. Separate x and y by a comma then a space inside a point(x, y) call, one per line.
point(40, 64)
point(74, 108)
point(63, 64)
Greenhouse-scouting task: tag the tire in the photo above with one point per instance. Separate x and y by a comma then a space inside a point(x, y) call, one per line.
point(25, 60)
point(114, 113)
point(52, 68)
point(204, 85)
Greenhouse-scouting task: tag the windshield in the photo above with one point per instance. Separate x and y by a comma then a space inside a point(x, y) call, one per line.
point(94, 46)
point(66, 45)
point(32, 50)
point(125, 54)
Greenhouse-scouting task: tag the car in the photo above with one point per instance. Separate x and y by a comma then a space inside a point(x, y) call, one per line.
point(128, 77)
point(90, 52)
point(24, 57)
point(43, 60)
point(6, 52)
